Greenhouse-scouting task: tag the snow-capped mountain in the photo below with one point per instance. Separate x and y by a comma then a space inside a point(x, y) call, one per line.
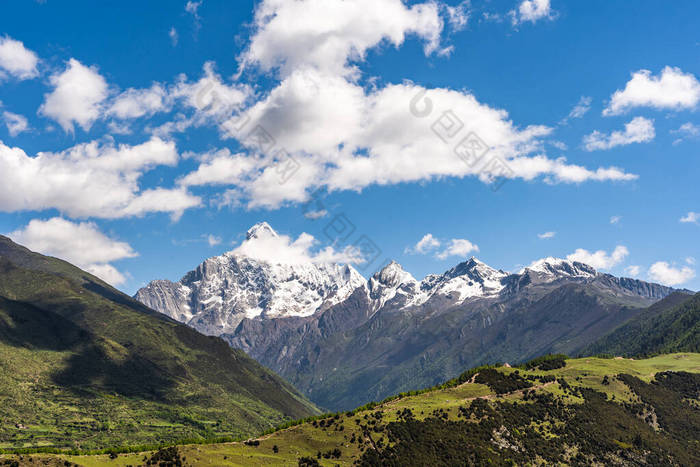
point(312, 320)
point(223, 290)
point(393, 285)
point(549, 269)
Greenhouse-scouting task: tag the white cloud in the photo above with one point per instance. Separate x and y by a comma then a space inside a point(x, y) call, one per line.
point(343, 135)
point(218, 168)
point(532, 11)
point(687, 130)
point(457, 247)
point(546, 235)
point(77, 96)
point(213, 240)
point(90, 180)
point(672, 90)
point(600, 259)
point(559, 145)
point(191, 7)
point(211, 98)
point(458, 15)
point(210, 95)
point(15, 123)
point(633, 270)
point(17, 60)
point(314, 215)
point(424, 245)
point(172, 34)
point(691, 218)
point(334, 32)
point(136, 103)
point(347, 138)
point(666, 274)
point(82, 244)
point(615, 219)
point(638, 130)
point(581, 108)
point(690, 260)
point(274, 248)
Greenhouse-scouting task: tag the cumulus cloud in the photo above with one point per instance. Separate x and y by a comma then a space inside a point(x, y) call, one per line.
point(672, 90)
point(334, 32)
point(346, 138)
point(15, 123)
point(17, 60)
point(691, 218)
point(600, 259)
point(633, 270)
point(77, 96)
point(532, 11)
point(424, 245)
point(666, 274)
point(218, 168)
point(96, 179)
point(82, 244)
point(546, 235)
point(638, 130)
point(615, 219)
point(81, 95)
point(337, 134)
point(210, 98)
point(136, 103)
point(269, 246)
point(457, 247)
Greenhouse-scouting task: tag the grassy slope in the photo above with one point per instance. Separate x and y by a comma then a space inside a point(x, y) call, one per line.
point(307, 440)
point(83, 365)
point(671, 325)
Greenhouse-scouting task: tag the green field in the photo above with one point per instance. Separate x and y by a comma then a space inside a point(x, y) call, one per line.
point(344, 430)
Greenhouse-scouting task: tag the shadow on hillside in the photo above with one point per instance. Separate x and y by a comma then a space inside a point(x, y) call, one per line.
point(96, 365)
point(93, 362)
point(24, 325)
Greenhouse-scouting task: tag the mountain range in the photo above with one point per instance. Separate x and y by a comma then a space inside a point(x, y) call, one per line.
point(343, 340)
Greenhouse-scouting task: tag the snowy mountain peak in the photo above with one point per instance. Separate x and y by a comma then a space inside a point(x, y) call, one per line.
point(556, 268)
point(260, 230)
point(476, 270)
point(393, 274)
point(252, 282)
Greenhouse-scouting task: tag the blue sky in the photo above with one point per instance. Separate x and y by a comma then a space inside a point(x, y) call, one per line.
point(121, 150)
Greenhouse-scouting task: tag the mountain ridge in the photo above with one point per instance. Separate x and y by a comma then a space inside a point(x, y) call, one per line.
point(98, 368)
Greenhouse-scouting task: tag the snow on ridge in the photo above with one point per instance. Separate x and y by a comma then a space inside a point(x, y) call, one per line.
point(223, 290)
point(558, 267)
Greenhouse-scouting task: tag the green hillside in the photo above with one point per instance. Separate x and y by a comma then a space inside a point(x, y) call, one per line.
point(671, 325)
point(84, 366)
point(589, 411)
